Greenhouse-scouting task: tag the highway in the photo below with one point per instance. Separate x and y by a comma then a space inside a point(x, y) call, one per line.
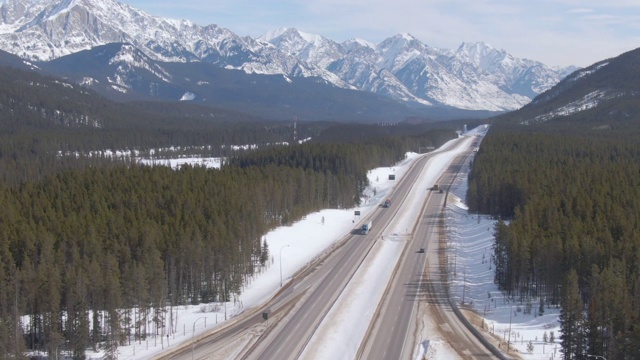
point(290, 336)
point(297, 311)
point(420, 277)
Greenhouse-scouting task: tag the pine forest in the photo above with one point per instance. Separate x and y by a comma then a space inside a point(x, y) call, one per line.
point(567, 197)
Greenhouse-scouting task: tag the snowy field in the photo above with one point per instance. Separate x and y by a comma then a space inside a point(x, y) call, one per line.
point(292, 247)
point(176, 163)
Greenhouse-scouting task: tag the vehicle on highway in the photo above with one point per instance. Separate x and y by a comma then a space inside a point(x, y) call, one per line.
point(364, 230)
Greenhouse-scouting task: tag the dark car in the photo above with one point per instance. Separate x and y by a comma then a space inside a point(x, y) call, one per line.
point(421, 251)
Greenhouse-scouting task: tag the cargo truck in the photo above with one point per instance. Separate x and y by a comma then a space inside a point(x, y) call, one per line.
point(364, 230)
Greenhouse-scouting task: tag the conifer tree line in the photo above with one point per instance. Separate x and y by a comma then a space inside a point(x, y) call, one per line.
point(572, 198)
point(91, 254)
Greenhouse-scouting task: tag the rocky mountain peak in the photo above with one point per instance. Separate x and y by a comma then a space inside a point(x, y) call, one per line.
point(401, 42)
point(475, 77)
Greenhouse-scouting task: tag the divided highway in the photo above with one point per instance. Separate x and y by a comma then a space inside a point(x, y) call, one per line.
point(421, 277)
point(290, 336)
point(298, 309)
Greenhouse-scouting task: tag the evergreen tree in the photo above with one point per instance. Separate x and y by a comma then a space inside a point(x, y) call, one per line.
point(264, 253)
point(572, 319)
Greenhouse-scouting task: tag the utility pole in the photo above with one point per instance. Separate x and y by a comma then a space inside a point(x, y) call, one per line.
point(193, 344)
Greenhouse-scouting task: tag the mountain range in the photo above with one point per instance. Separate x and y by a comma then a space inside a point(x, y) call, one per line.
point(603, 94)
point(76, 39)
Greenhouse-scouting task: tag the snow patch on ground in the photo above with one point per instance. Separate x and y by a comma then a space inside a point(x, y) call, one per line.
point(436, 349)
point(188, 96)
point(587, 102)
point(177, 163)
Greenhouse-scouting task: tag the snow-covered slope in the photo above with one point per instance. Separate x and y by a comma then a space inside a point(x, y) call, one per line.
point(49, 29)
point(475, 77)
point(600, 94)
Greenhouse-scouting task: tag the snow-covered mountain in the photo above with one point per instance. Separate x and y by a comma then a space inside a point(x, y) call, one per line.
point(604, 94)
point(474, 77)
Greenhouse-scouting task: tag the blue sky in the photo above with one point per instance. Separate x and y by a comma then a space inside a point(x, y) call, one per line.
point(555, 32)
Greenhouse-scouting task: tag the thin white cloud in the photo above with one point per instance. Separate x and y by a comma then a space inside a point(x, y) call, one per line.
point(581, 11)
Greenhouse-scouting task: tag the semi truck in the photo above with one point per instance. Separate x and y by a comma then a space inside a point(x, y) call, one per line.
point(364, 230)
